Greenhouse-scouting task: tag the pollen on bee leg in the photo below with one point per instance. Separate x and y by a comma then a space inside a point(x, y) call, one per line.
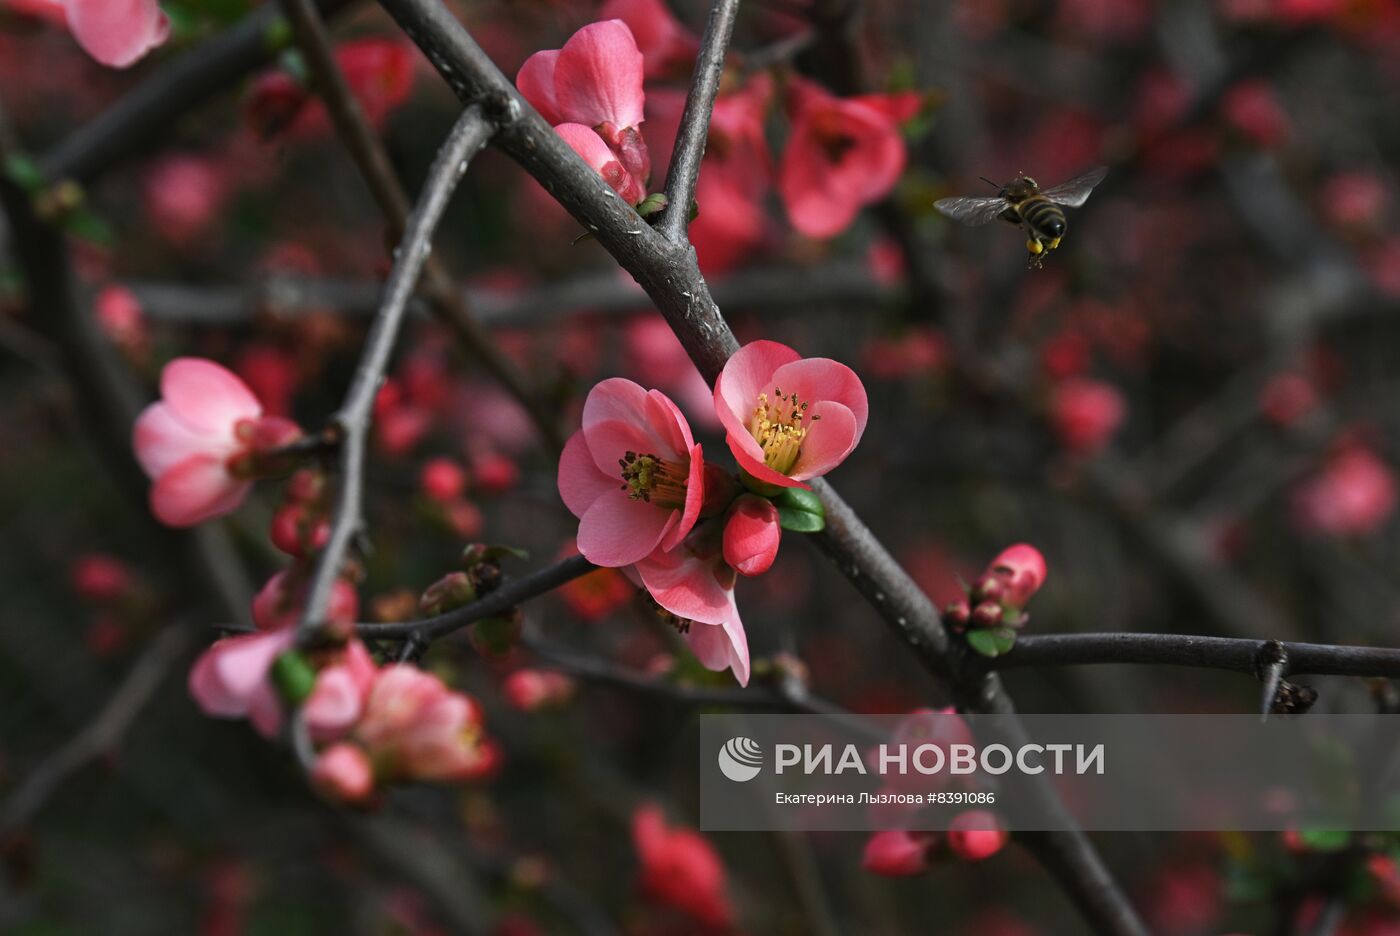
point(1034, 246)
point(1054, 243)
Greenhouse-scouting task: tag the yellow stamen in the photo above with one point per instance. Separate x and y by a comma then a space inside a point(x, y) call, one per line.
point(650, 479)
point(778, 428)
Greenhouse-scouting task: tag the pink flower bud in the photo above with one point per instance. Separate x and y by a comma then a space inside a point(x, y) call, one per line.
point(442, 479)
point(976, 834)
point(987, 614)
point(957, 613)
point(343, 773)
point(896, 853)
point(1085, 413)
point(451, 591)
point(751, 535)
point(334, 704)
point(100, 579)
point(417, 728)
point(681, 869)
point(1022, 569)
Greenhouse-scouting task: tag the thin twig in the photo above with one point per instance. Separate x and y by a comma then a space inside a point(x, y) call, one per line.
point(468, 136)
point(1223, 653)
point(497, 602)
point(103, 733)
point(695, 119)
point(370, 157)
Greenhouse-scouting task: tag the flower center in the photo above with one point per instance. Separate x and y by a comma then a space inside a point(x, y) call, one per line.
point(780, 427)
point(651, 479)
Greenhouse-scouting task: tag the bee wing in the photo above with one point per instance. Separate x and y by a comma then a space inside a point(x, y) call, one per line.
point(1076, 191)
point(971, 211)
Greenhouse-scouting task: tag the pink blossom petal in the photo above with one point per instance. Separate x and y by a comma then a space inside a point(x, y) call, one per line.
point(536, 82)
point(334, 705)
point(668, 423)
point(206, 397)
point(117, 32)
point(814, 379)
point(694, 500)
point(197, 489)
point(224, 679)
point(598, 76)
point(265, 711)
point(593, 150)
point(580, 481)
point(686, 586)
point(831, 435)
point(616, 399)
point(618, 531)
point(720, 647)
point(162, 441)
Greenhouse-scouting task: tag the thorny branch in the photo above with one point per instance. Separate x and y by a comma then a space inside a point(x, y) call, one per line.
point(351, 422)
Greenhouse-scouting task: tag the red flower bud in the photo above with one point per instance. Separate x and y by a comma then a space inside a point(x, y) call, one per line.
point(896, 853)
point(443, 479)
point(751, 535)
point(986, 614)
point(343, 773)
point(957, 613)
point(1021, 568)
point(976, 834)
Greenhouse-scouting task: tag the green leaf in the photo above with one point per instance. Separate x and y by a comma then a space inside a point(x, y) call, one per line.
point(800, 511)
point(655, 203)
point(294, 677)
point(991, 641)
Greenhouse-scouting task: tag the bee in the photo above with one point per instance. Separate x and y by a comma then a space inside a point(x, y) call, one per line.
point(1021, 202)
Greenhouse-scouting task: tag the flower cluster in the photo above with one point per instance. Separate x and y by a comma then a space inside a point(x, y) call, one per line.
point(683, 528)
point(372, 725)
point(842, 153)
point(994, 608)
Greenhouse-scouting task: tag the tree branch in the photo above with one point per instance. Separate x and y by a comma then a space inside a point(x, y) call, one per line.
point(1223, 653)
point(145, 115)
point(351, 422)
point(497, 602)
point(369, 156)
point(694, 128)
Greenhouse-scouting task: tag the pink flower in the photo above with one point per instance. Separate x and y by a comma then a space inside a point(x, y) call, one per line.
point(442, 479)
point(751, 535)
point(229, 680)
point(1353, 495)
point(694, 583)
point(976, 834)
point(121, 319)
point(416, 728)
point(278, 604)
point(1021, 568)
point(343, 773)
point(183, 193)
point(334, 705)
point(199, 443)
point(632, 475)
point(117, 32)
point(896, 853)
point(1253, 110)
point(680, 869)
point(1085, 413)
point(593, 87)
point(531, 689)
point(842, 154)
point(667, 47)
point(787, 418)
point(101, 579)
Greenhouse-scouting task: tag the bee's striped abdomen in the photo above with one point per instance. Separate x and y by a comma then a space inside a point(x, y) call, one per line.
point(1042, 216)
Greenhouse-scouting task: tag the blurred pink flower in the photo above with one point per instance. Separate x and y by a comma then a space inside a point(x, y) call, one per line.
point(532, 689)
point(680, 869)
point(976, 834)
point(787, 418)
point(442, 479)
point(633, 474)
point(752, 534)
point(896, 853)
point(1352, 496)
point(117, 32)
point(278, 604)
point(667, 47)
point(658, 359)
point(100, 579)
point(121, 318)
point(842, 154)
point(1253, 109)
point(593, 87)
point(199, 443)
point(1086, 413)
point(230, 679)
point(1355, 200)
point(343, 773)
point(414, 727)
point(1288, 398)
point(183, 193)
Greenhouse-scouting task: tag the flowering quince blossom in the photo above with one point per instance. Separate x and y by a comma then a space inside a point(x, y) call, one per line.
point(633, 474)
point(116, 32)
point(415, 727)
point(591, 92)
point(342, 772)
point(787, 418)
point(752, 534)
point(667, 47)
point(201, 443)
point(896, 853)
point(1353, 495)
point(1085, 414)
point(680, 869)
point(694, 583)
point(842, 154)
